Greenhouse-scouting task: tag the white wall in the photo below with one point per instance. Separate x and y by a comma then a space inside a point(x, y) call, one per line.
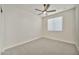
point(67, 34)
point(0, 33)
point(21, 24)
point(77, 26)
point(1, 29)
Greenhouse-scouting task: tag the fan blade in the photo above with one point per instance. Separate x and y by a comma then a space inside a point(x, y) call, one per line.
point(51, 11)
point(38, 10)
point(46, 6)
point(40, 13)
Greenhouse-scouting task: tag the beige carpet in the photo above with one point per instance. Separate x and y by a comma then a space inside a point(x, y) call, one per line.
point(43, 47)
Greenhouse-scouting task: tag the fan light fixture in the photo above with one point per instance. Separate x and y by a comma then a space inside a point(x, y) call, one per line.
point(45, 10)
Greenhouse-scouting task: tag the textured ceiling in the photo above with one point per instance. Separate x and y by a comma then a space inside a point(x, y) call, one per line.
point(57, 7)
point(30, 8)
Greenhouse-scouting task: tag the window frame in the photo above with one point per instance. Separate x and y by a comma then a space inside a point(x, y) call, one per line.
point(62, 27)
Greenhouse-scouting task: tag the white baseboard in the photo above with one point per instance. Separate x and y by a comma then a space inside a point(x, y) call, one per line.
point(77, 48)
point(0, 52)
point(4, 49)
point(57, 39)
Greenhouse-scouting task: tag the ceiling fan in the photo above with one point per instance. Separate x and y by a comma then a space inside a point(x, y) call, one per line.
point(45, 11)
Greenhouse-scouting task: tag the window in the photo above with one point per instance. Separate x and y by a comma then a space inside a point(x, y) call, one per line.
point(55, 24)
